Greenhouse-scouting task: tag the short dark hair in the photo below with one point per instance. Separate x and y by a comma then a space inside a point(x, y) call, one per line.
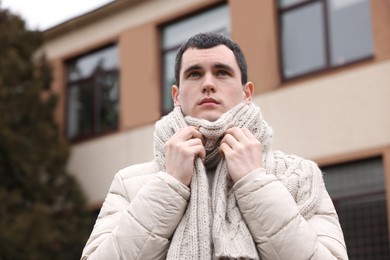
point(210, 40)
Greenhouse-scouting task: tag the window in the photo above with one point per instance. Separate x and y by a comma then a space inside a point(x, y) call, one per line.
point(173, 35)
point(322, 34)
point(358, 192)
point(93, 93)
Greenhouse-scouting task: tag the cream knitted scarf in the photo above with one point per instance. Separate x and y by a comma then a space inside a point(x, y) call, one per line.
point(217, 222)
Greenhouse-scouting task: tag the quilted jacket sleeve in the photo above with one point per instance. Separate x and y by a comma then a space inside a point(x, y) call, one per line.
point(141, 227)
point(277, 227)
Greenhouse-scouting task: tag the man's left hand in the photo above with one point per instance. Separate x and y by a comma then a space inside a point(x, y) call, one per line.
point(242, 151)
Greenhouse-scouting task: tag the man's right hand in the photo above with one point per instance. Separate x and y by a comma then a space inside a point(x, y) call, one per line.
point(180, 153)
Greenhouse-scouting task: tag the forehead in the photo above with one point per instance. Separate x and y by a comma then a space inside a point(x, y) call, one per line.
point(220, 54)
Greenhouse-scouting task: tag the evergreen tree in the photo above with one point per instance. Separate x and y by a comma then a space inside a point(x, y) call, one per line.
point(42, 208)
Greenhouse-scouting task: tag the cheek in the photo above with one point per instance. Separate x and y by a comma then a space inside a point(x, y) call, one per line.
point(235, 95)
point(185, 101)
point(183, 98)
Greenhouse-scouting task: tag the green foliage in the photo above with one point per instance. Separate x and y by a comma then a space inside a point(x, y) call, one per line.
point(42, 208)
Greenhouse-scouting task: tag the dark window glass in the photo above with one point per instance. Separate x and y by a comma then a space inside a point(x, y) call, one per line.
point(301, 55)
point(80, 109)
point(169, 80)
point(358, 192)
point(349, 30)
point(173, 35)
point(321, 34)
point(93, 93)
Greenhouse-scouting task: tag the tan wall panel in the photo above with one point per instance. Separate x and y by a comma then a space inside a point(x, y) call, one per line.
point(255, 30)
point(183, 11)
point(380, 14)
point(140, 84)
point(59, 88)
point(94, 163)
point(341, 114)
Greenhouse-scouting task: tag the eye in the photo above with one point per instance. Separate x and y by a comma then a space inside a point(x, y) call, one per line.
point(194, 74)
point(223, 73)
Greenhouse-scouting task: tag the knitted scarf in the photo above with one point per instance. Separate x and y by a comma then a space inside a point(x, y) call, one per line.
point(217, 222)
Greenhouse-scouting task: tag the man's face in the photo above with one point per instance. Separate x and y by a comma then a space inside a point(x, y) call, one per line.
point(210, 83)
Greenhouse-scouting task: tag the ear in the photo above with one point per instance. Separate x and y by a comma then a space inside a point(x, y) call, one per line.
point(248, 89)
point(175, 95)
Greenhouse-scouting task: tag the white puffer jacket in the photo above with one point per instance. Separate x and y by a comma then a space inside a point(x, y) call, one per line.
point(144, 207)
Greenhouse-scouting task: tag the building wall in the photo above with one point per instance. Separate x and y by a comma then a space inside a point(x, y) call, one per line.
point(95, 162)
point(255, 29)
point(140, 83)
point(332, 116)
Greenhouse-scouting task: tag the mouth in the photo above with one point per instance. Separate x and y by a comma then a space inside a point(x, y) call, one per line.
point(207, 101)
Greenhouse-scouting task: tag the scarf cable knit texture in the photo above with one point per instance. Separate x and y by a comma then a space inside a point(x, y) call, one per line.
point(214, 227)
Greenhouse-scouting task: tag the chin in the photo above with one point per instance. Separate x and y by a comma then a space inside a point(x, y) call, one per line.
point(210, 116)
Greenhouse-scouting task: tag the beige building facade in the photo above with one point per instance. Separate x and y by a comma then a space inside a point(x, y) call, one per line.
point(321, 71)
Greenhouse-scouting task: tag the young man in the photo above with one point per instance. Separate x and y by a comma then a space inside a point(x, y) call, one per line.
point(216, 189)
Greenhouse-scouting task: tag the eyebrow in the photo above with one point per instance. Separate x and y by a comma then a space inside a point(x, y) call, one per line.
point(191, 68)
point(223, 66)
point(216, 65)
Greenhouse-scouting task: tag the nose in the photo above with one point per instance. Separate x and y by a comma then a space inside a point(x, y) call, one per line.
point(208, 84)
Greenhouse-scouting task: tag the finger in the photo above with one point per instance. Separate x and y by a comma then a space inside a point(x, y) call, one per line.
point(196, 147)
point(202, 153)
point(198, 135)
point(198, 150)
point(188, 133)
point(237, 133)
point(249, 134)
point(225, 149)
point(193, 142)
point(231, 141)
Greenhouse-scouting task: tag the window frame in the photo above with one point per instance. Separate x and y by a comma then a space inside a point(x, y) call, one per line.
point(95, 132)
point(326, 31)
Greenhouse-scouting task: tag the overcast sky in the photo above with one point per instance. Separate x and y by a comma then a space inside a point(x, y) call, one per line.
point(43, 14)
